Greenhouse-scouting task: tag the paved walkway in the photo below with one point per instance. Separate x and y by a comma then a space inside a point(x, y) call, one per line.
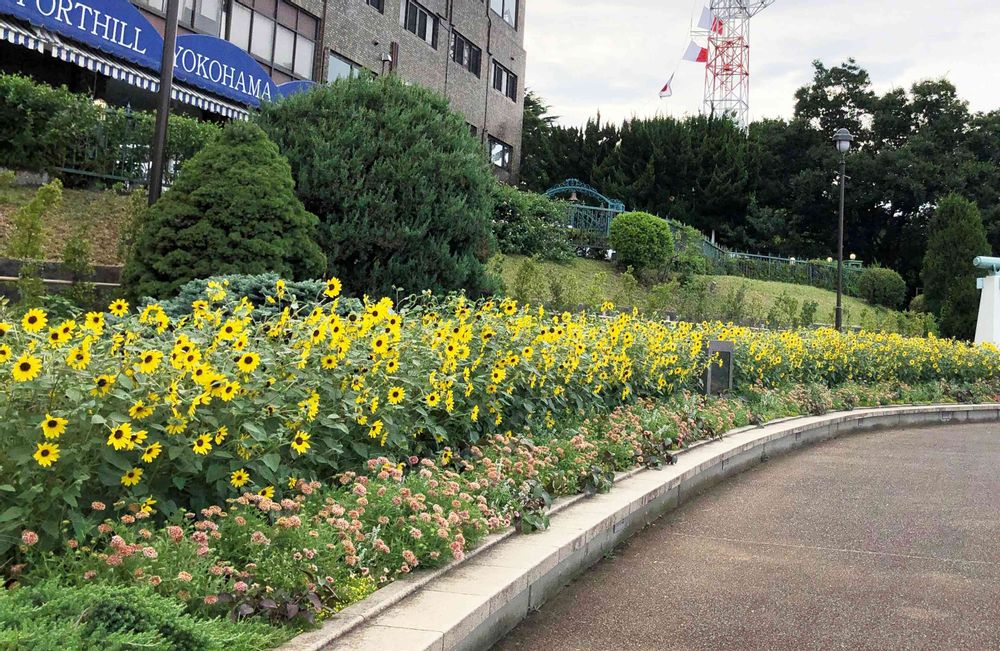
point(887, 540)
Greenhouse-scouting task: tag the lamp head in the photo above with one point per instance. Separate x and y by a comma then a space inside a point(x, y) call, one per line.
point(843, 140)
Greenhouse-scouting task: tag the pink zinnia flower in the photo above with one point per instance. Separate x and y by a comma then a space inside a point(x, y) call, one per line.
point(184, 576)
point(98, 506)
point(29, 538)
point(240, 586)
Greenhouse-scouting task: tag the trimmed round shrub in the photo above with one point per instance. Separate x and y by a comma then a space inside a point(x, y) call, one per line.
point(641, 240)
point(232, 210)
point(918, 304)
point(881, 286)
point(403, 192)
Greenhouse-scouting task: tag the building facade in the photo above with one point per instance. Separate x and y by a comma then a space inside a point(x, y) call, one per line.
point(471, 51)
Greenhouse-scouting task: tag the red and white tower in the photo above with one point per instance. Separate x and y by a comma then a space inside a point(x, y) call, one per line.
point(727, 70)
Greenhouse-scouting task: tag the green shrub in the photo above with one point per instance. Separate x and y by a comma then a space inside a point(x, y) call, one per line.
point(918, 304)
point(42, 127)
point(51, 616)
point(641, 240)
point(404, 194)
point(257, 288)
point(525, 223)
point(956, 236)
point(232, 209)
point(27, 237)
point(881, 286)
point(688, 258)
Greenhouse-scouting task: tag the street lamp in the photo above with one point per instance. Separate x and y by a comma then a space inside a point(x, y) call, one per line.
point(843, 139)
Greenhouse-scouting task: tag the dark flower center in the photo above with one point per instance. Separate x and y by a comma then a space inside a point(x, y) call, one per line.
point(53, 424)
point(25, 367)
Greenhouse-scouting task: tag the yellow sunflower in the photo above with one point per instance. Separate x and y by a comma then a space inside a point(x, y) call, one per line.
point(239, 478)
point(329, 362)
point(56, 336)
point(151, 452)
point(34, 320)
point(78, 358)
point(333, 287)
point(140, 410)
point(149, 361)
point(300, 442)
point(5, 353)
point(132, 477)
point(120, 437)
point(432, 399)
point(119, 308)
point(94, 321)
point(202, 444)
point(26, 368)
point(396, 395)
point(53, 426)
point(4, 328)
point(46, 454)
point(102, 385)
point(247, 362)
point(267, 491)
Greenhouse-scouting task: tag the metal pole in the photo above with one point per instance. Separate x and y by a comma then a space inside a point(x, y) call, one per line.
point(163, 102)
point(840, 246)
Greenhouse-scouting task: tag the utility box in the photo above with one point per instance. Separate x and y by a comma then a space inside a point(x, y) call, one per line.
point(719, 374)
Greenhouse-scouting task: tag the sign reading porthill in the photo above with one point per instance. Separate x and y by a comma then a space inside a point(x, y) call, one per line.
point(112, 26)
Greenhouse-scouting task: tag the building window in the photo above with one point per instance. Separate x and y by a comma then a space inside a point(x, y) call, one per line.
point(420, 21)
point(378, 4)
point(278, 33)
point(504, 81)
point(338, 67)
point(501, 154)
point(465, 54)
point(506, 9)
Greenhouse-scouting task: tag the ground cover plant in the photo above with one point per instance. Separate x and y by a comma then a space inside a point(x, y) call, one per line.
point(284, 463)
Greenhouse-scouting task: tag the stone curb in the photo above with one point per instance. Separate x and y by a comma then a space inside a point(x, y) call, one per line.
point(471, 604)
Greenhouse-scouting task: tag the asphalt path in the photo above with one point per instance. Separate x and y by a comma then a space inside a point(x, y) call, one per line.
point(883, 540)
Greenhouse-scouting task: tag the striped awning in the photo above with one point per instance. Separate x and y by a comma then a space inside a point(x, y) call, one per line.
point(18, 35)
point(97, 61)
point(92, 59)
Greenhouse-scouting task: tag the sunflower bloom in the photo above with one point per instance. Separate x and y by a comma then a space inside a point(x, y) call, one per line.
point(202, 444)
point(151, 452)
point(396, 395)
point(239, 478)
point(102, 385)
point(247, 362)
point(333, 287)
point(300, 442)
point(149, 361)
point(119, 308)
point(26, 368)
point(34, 320)
point(120, 437)
point(53, 426)
point(132, 477)
point(46, 454)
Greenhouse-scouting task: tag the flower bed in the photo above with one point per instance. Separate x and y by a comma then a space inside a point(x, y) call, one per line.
point(186, 456)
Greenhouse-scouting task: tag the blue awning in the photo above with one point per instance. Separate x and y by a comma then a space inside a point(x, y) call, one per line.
point(23, 36)
point(38, 39)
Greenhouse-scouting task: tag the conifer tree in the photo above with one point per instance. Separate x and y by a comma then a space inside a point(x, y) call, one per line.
point(231, 210)
point(956, 237)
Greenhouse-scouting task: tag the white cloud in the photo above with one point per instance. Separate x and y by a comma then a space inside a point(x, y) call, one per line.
point(590, 55)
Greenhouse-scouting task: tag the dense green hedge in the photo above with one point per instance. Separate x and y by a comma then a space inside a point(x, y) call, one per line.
point(42, 128)
point(526, 223)
point(881, 286)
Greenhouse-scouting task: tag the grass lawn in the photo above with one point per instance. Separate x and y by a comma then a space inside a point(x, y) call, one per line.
point(592, 281)
point(102, 214)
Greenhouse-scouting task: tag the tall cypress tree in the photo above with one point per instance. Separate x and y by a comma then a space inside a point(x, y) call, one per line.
point(956, 237)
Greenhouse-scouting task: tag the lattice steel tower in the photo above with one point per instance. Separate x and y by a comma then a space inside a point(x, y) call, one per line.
point(727, 71)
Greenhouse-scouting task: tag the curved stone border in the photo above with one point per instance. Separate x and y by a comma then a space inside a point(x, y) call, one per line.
point(473, 603)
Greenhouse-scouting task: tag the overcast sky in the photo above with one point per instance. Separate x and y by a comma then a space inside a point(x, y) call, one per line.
point(615, 55)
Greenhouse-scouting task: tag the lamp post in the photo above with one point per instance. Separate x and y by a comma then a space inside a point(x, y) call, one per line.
point(163, 102)
point(843, 140)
